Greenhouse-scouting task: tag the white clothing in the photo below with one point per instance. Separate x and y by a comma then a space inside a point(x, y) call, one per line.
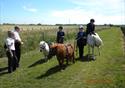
point(16, 36)
point(10, 42)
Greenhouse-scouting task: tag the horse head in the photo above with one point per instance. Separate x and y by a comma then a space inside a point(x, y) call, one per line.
point(42, 45)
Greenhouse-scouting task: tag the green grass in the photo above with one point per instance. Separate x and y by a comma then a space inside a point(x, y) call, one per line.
point(32, 35)
point(107, 71)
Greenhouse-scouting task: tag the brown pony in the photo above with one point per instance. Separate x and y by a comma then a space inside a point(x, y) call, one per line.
point(63, 51)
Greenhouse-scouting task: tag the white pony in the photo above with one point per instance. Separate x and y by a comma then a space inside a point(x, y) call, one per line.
point(44, 47)
point(92, 41)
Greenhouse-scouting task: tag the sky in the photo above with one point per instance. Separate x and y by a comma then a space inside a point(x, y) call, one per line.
point(62, 11)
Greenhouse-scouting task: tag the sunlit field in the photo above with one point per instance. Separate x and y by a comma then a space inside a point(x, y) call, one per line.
point(107, 71)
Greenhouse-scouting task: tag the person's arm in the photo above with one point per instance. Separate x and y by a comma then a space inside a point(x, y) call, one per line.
point(17, 37)
point(57, 37)
point(63, 35)
point(84, 35)
point(78, 36)
point(9, 50)
point(87, 29)
point(93, 29)
point(8, 45)
point(58, 34)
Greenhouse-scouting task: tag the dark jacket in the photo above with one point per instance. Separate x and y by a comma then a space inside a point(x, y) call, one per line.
point(60, 36)
point(90, 28)
point(81, 38)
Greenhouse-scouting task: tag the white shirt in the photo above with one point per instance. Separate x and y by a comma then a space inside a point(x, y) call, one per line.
point(17, 36)
point(10, 42)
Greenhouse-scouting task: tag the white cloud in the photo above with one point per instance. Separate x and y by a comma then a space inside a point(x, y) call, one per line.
point(105, 3)
point(79, 15)
point(103, 11)
point(103, 6)
point(30, 9)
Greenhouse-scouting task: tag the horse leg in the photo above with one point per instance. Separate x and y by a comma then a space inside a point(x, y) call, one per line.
point(99, 51)
point(59, 61)
point(67, 58)
point(88, 56)
point(45, 58)
point(93, 56)
point(92, 50)
point(62, 61)
point(88, 49)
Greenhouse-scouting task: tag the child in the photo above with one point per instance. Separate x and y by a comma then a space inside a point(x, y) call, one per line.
point(81, 41)
point(60, 35)
point(10, 52)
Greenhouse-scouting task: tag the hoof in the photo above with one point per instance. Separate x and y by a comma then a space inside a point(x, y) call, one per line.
point(93, 58)
point(62, 70)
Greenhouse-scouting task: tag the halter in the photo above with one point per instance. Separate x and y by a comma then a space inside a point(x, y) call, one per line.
point(43, 47)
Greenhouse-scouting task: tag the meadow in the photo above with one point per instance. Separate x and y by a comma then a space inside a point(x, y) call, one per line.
point(32, 34)
point(107, 71)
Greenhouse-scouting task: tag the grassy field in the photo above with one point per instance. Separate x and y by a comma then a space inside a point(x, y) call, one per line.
point(32, 34)
point(107, 71)
point(41, 27)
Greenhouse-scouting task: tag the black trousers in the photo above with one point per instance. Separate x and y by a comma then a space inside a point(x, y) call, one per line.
point(18, 50)
point(81, 51)
point(60, 40)
point(12, 61)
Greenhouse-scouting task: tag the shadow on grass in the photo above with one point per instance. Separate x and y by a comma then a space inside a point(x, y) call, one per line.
point(2, 71)
point(57, 68)
point(41, 61)
point(51, 71)
point(85, 58)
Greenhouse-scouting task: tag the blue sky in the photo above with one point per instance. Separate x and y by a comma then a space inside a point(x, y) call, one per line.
point(62, 11)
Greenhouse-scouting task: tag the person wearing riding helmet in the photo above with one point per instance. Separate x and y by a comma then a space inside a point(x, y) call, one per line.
point(81, 41)
point(90, 27)
point(60, 35)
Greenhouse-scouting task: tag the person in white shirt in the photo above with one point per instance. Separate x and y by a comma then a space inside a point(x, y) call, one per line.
point(10, 52)
point(18, 43)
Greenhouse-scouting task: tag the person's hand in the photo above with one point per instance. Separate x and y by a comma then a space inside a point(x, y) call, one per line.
point(22, 43)
point(7, 49)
